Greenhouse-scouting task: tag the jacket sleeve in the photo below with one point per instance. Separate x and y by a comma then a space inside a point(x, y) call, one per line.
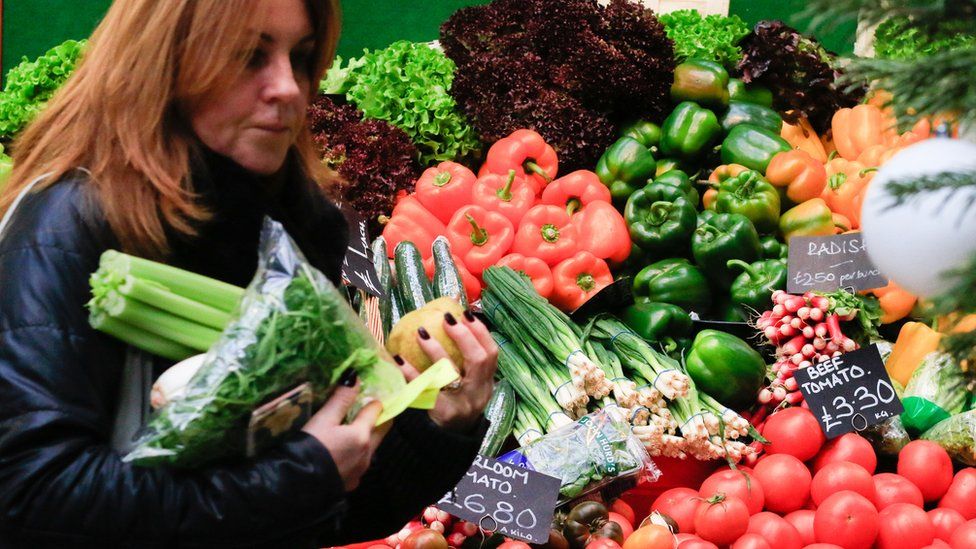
point(60, 482)
point(417, 463)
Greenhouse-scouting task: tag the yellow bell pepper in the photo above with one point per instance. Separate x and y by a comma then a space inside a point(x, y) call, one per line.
point(915, 341)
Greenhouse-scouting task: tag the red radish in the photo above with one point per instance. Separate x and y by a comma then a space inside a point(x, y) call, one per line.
point(945, 521)
point(437, 526)
point(456, 539)
point(928, 466)
point(840, 476)
point(850, 447)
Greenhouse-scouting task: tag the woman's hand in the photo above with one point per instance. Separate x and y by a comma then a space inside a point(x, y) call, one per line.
point(351, 446)
point(461, 404)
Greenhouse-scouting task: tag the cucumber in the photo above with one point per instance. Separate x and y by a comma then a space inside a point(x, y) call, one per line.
point(447, 278)
point(415, 290)
point(501, 413)
point(389, 304)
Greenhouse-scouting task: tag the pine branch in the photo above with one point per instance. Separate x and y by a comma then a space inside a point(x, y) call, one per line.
point(961, 347)
point(825, 15)
point(959, 299)
point(903, 191)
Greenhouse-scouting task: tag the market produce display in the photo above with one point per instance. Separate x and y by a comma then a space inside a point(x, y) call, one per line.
point(32, 83)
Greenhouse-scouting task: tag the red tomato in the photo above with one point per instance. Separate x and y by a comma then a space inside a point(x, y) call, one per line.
point(803, 522)
point(751, 541)
point(904, 526)
point(823, 546)
point(945, 521)
point(928, 466)
point(515, 544)
point(680, 504)
point(841, 475)
point(938, 544)
point(697, 543)
point(684, 537)
point(625, 524)
point(891, 488)
point(847, 519)
point(793, 431)
point(624, 509)
point(785, 481)
point(851, 447)
point(721, 520)
point(774, 529)
point(599, 543)
point(740, 484)
point(379, 546)
point(965, 536)
point(652, 536)
point(962, 494)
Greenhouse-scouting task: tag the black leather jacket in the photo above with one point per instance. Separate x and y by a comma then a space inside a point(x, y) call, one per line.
point(61, 484)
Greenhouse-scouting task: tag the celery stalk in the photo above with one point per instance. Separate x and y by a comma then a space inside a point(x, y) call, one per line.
point(214, 293)
point(160, 297)
point(141, 339)
point(153, 320)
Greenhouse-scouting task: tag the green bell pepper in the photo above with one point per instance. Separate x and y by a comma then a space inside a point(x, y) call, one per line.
point(726, 368)
point(656, 321)
point(660, 219)
point(665, 165)
point(706, 216)
point(724, 237)
point(748, 113)
point(772, 248)
point(689, 131)
point(679, 179)
point(674, 281)
point(749, 93)
point(753, 289)
point(647, 133)
point(751, 195)
point(625, 167)
point(752, 146)
point(704, 82)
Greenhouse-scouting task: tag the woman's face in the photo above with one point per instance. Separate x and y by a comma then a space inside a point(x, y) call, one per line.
point(256, 120)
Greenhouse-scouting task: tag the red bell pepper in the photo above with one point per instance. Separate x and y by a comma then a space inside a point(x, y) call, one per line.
point(445, 189)
point(602, 231)
point(411, 221)
point(575, 190)
point(509, 195)
point(472, 286)
point(526, 152)
point(547, 232)
point(479, 237)
point(534, 268)
point(577, 279)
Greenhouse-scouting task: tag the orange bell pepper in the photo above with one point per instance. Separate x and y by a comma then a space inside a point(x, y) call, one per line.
point(803, 176)
point(858, 128)
point(877, 155)
point(896, 303)
point(846, 182)
point(802, 136)
point(915, 341)
point(720, 174)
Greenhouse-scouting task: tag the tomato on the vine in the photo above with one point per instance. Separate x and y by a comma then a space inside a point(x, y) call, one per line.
point(785, 481)
point(680, 504)
point(904, 526)
point(735, 483)
point(851, 447)
point(891, 489)
point(961, 495)
point(945, 521)
point(838, 476)
point(928, 466)
point(721, 519)
point(847, 519)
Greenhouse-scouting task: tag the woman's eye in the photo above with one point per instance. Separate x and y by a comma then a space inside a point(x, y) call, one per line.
point(257, 59)
point(302, 61)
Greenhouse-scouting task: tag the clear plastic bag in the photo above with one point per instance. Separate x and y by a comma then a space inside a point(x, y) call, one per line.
point(957, 435)
point(936, 391)
point(292, 326)
point(587, 455)
point(888, 437)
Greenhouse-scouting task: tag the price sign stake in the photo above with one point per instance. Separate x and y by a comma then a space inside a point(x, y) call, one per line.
point(850, 392)
point(519, 502)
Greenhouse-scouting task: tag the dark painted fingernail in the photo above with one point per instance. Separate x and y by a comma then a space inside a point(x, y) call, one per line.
point(424, 334)
point(399, 360)
point(348, 378)
point(469, 316)
point(451, 321)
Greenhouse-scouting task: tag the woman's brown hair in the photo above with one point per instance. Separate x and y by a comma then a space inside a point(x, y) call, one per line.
point(120, 113)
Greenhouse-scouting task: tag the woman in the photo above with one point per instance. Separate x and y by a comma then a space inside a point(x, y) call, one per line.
point(181, 129)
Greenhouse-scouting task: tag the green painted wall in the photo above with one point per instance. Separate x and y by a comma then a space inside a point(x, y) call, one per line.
point(30, 27)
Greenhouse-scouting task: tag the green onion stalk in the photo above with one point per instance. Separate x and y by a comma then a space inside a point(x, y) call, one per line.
point(547, 412)
point(624, 390)
point(527, 428)
point(547, 325)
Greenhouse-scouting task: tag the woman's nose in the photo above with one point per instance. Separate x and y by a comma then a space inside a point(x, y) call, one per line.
point(282, 84)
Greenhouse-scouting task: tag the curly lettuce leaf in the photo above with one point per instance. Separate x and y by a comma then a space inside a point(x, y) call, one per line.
point(900, 38)
point(712, 37)
point(339, 79)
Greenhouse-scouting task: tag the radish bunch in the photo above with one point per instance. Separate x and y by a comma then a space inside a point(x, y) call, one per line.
point(454, 530)
point(804, 332)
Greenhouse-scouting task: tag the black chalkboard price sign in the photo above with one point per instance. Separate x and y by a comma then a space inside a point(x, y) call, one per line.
point(850, 392)
point(504, 498)
point(829, 263)
point(357, 266)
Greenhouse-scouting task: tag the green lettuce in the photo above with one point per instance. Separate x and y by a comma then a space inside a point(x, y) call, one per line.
point(407, 85)
point(712, 37)
point(900, 38)
point(32, 83)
